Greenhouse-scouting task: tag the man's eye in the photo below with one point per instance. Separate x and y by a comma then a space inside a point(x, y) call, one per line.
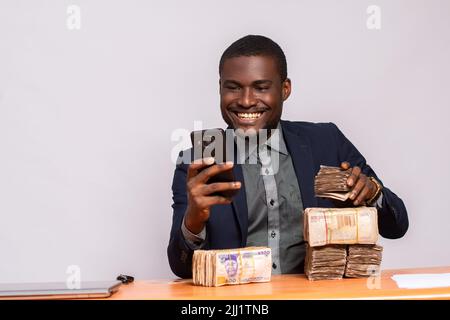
point(262, 89)
point(234, 88)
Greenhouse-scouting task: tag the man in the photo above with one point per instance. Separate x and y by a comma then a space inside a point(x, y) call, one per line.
point(268, 209)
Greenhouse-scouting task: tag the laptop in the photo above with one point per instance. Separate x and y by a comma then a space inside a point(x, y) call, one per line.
point(58, 290)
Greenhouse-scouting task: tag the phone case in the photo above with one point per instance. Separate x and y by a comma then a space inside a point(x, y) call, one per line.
point(212, 143)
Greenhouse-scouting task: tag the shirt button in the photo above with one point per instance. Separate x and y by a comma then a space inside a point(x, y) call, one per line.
point(272, 202)
point(274, 265)
point(273, 234)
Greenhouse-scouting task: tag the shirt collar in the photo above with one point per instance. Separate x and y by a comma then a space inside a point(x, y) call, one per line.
point(275, 142)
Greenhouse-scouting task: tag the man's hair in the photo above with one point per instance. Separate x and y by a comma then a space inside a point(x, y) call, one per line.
point(255, 45)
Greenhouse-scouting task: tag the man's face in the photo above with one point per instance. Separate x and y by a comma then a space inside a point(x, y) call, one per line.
point(231, 266)
point(251, 92)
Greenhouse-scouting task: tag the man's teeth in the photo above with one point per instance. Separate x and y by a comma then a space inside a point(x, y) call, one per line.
point(247, 115)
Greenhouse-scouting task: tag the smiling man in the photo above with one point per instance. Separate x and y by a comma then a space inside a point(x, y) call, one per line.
point(268, 207)
point(252, 90)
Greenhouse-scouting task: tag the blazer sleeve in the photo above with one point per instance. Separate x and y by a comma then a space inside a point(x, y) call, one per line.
point(392, 216)
point(178, 251)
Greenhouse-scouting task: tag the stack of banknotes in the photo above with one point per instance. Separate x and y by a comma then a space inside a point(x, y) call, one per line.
point(214, 268)
point(340, 241)
point(331, 182)
point(325, 262)
point(363, 260)
point(334, 261)
point(324, 226)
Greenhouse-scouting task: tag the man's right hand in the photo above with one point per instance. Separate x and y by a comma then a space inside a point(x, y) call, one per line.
point(199, 192)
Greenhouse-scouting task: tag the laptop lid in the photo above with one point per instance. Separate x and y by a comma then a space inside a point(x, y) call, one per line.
point(58, 290)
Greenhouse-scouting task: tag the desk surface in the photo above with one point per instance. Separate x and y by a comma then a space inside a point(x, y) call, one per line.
point(286, 287)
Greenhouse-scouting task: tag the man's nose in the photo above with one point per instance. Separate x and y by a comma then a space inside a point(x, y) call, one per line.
point(247, 98)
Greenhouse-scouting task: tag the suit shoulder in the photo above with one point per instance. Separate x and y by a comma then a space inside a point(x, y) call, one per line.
point(310, 127)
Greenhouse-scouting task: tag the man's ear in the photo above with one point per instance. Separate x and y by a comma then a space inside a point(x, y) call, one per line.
point(286, 89)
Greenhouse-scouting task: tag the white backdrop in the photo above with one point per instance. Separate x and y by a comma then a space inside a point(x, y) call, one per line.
point(86, 118)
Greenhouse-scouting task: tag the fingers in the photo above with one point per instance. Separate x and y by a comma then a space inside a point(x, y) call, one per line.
point(205, 202)
point(358, 187)
point(210, 201)
point(204, 175)
point(354, 175)
point(220, 186)
point(195, 166)
point(361, 184)
point(362, 190)
point(345, 165)
point(198, 164)
point(199, 192)
point(361, 199)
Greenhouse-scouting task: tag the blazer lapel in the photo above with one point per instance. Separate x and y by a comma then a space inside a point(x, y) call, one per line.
point(299, 148)
point(240, 204)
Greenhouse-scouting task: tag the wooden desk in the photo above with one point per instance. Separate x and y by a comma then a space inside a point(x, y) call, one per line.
point(285, 287)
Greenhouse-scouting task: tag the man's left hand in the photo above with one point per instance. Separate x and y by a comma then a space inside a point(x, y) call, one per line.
point(363, 188)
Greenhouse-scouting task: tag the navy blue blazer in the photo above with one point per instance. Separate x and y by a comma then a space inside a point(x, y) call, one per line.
point(310, 145)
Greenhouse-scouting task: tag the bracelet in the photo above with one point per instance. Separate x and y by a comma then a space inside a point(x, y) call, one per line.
point(377, 193)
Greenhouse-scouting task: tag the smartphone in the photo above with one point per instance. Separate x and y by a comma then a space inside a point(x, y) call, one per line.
point(212, 143)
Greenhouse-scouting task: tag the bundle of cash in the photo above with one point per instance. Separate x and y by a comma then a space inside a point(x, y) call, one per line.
point(324, 226)
point(214, 268)
point(326, 262)
point(363, 260)
point(331, 182)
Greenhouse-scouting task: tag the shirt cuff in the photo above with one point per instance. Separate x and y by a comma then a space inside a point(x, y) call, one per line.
point(194, 241)
point(379, 203)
